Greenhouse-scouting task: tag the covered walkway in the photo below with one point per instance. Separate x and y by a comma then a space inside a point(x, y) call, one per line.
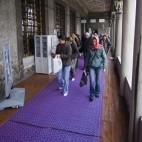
point(115, 116)
point(120, 20)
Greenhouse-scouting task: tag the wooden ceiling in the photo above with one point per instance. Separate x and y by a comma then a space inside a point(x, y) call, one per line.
point(96, 5)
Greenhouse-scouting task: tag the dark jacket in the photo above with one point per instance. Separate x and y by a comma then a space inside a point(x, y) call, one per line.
point(74, 51)
point(78, 43)
point(86, 42)
point(106, 43)
point(65, 54)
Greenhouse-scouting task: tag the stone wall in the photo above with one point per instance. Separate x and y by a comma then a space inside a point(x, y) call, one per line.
point(8, 34)
point(72, 5)
point(11, 32)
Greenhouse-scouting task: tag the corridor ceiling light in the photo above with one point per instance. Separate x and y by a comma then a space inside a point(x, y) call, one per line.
point(101, 20)
point(92, 20)
point(83, 21)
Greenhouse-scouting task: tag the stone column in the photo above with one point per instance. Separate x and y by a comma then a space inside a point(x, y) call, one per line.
point(84, 27)
point(78, 24)
point(128, 26)
point(137, 76)
point(110, 24)
point(49, 17)
point(118, 43)
point(113, 17)
point(114, 31)
point(112, 36)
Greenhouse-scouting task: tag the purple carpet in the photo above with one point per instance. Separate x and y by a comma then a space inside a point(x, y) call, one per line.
point(18, 132)
point(50, 112)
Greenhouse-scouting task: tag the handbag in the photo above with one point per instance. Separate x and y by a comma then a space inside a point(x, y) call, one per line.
point(56, 64)
point(83, 80)
point(88, 66)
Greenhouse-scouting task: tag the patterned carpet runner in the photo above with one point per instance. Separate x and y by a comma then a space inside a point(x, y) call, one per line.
point(50, 116)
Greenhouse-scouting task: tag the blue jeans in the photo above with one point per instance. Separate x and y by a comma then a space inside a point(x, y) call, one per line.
point(95, 74)
point(63, 78)
point(73, 67)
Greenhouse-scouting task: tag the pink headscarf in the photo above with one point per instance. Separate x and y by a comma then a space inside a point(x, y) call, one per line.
point(97, 46)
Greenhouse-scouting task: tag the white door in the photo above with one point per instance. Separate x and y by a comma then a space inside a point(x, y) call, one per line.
point(38, 65)
point(49, 47)
point(45, 66)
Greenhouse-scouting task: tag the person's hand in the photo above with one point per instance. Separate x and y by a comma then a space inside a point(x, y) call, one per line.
point(57, 55)
point(104, 70)
point(53, 55)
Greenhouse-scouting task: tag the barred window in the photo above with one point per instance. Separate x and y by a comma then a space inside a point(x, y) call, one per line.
point(32, 23)
point(72, 22)
point(60, 19)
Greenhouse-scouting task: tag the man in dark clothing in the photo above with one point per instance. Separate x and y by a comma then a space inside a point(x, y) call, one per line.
point(86, 41)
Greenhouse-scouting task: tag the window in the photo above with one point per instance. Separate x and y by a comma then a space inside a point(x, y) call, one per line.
point(101, 20)
point(32, 23)
point(92, 20)
point(72, 22)
point(60, 19)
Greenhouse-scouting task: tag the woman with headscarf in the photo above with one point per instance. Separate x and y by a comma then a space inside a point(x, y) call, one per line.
point(96, 59)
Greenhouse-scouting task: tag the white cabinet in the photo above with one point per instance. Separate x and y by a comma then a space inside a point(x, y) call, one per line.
point(43, 48)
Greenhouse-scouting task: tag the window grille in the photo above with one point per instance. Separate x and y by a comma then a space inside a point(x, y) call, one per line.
point(72, 22)
point(60, 19)
point(32, 23)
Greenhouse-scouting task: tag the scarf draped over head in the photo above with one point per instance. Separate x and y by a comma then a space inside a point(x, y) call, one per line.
point(97, 46)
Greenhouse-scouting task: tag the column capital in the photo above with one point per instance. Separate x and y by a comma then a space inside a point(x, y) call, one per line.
point(118, 6)
point(113, 15)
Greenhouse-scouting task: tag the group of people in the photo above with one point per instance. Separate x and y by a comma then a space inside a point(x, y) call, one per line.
point(94, 54)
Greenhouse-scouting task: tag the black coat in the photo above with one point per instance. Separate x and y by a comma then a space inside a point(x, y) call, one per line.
point(74, 51)
point(86, 42)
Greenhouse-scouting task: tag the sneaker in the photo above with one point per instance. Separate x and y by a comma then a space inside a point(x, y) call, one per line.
point(60, 88)
point(65, 94)
point(73, 79)
point(97, 95)
point(91, 99)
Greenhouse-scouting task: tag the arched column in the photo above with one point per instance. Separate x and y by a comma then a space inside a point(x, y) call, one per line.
point(118, 41)
point(128, 26)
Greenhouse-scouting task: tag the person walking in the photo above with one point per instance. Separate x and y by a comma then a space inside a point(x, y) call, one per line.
point(106, 43)
point(64, 51)
point(74, 57)
point(76, 39)
point(96, 59)
point(86, 41)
